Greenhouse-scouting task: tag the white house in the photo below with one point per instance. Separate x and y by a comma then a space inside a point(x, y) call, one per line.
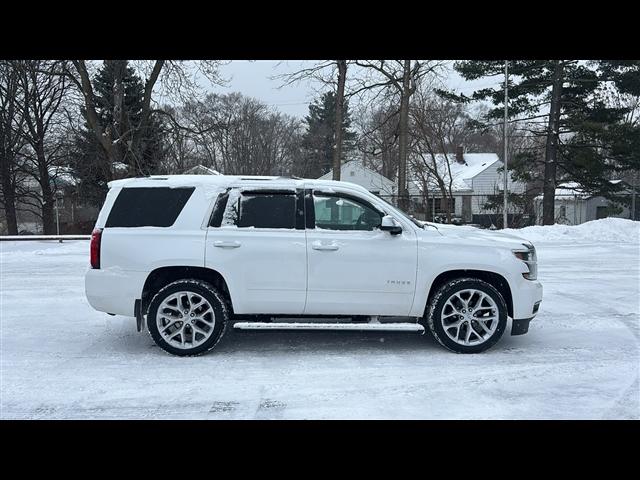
point(355, 172)
point(474, 177)
point(572, 206)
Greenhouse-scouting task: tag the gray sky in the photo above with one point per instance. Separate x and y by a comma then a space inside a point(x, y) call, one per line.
point(252, 79)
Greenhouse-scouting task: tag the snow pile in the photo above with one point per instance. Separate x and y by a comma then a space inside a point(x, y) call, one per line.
point(603, 230)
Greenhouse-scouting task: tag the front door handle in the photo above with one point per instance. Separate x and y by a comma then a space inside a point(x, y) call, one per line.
point(223, 244)
point(324, 246)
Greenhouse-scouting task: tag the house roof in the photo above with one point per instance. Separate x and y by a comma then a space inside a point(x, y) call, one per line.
point(461, 173)
point(201, 170)
point(571, 190)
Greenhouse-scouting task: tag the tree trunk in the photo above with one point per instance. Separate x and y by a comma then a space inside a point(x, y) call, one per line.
point(9, 199)
point(7, 149)
point(337, 151)
point(48, 221)
point(551, 149)
point(119, 124)
point(403, 200)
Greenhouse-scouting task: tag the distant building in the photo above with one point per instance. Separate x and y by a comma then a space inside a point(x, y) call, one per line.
point(573, 206)
point(474, 178)
point(354, 171)
point(201, 170)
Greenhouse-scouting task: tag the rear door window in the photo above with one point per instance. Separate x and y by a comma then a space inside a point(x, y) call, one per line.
point(261, 209)
point(148, 207)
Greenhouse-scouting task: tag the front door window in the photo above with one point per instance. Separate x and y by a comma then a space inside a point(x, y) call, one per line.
point(339, 213)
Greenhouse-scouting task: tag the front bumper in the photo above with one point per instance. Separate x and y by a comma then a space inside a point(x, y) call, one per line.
point(527, 297)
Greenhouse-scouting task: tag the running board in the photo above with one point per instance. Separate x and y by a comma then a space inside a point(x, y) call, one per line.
point(378, 327)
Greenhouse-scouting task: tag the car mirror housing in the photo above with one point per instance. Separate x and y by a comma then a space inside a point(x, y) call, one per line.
point(391, 225)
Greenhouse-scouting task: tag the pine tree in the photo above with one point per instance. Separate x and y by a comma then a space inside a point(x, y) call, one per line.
point(563, 101)
point(319, 139)
point(140, 153)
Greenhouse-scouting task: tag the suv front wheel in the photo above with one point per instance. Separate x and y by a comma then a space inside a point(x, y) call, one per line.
point(467, 315)
point(187, 317)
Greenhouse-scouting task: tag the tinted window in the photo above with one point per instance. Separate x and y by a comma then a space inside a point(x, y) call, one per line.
point(218, 210)
point(338, 213)
point(265, 210)
point(148, 207)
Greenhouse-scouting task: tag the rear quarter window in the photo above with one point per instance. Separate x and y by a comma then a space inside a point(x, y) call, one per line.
point(148, 207)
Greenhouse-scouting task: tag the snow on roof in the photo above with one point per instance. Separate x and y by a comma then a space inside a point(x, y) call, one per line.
point(570, 190)
point(461, 173)
point(63, 176)
point(120, 167)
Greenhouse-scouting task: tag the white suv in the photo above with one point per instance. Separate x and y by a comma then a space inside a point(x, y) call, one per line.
point(191, 255)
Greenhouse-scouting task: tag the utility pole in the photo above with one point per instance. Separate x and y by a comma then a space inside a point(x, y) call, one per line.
point(57, 216)
point(504, 134)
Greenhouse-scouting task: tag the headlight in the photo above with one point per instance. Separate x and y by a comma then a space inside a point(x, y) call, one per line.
point(528, 256)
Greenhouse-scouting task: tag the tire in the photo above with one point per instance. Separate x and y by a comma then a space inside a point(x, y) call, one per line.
point(187, 317)
point(467, 315)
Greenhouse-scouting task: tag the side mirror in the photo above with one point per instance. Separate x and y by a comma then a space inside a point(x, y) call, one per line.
point(391, 225)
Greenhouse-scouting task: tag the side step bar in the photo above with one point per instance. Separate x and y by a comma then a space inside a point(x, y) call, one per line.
point(379, 327)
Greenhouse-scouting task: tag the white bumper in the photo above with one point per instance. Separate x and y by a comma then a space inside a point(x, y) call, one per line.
point(526, 294)
point(113, 290)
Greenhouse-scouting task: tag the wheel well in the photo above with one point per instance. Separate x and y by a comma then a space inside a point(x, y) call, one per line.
point(498, 281)
point(161, 277)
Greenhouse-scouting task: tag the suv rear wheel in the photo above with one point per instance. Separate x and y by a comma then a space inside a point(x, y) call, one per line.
point(467, 315)
point(187, 317)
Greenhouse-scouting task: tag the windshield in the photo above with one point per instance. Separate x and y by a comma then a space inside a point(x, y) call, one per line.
point(405, 215)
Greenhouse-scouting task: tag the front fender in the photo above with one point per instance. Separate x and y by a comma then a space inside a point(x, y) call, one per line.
point(434, 261)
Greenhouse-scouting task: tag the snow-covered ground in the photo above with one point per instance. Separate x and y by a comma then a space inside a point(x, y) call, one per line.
point(580, 359)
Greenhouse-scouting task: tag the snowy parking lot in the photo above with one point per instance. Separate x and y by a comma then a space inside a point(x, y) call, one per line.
point(580, 360)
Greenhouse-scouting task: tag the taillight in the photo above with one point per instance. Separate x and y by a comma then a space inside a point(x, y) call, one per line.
point(96, 236)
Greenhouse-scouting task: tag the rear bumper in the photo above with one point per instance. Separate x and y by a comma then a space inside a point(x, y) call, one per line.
point(114, 290)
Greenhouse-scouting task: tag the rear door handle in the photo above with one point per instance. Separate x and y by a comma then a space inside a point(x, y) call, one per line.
point(223, 244)
point(324, 246)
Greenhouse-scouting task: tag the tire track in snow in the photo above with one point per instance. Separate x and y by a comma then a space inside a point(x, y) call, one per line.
point(627, 405)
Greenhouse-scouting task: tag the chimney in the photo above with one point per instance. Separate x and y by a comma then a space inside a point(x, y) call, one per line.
point(460, 155)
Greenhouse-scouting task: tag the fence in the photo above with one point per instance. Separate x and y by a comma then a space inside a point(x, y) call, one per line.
point(482, 210)
point(522, 210)
point(60, 238)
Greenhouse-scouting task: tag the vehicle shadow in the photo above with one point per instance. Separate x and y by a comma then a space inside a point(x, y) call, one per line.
point(128, 341)
point(327, 342)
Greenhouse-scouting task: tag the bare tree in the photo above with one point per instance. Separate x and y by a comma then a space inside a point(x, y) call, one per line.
point(118, 137)
point(439, 127)
point(334, 73)
point(337, 153)
point(42, 91)
point(11, 143)
point(235, 134)
point(403, 77)
point(378, 139)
